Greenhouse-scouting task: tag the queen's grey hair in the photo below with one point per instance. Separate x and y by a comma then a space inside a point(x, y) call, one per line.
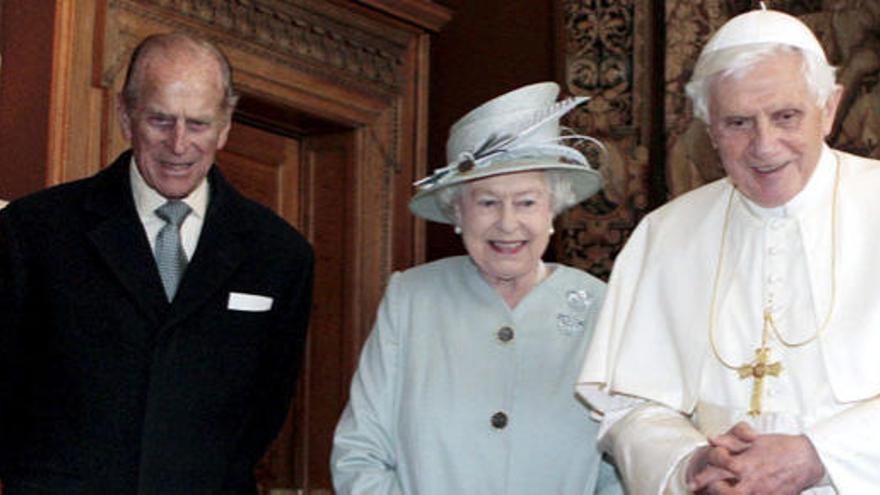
point(818, 75)
point(559, 184)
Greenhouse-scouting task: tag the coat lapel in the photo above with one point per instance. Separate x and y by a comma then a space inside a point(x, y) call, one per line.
point(119, 238)
point(221, 249)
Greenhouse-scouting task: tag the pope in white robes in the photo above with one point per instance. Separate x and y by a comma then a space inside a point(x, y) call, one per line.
point(737, 348)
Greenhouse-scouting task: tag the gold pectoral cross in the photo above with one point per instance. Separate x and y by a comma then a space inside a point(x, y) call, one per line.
point(759, 368)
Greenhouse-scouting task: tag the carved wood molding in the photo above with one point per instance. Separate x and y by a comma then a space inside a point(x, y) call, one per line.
point(319, 37)
point(420, 12)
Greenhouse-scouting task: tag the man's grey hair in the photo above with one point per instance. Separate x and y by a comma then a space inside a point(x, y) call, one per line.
point(818, 75)
point(559, 184)
point(168, 44)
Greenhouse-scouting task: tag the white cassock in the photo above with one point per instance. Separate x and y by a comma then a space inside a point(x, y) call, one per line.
point(651, 370)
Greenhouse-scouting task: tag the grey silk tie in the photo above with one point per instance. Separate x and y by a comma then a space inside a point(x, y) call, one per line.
point(170, 256)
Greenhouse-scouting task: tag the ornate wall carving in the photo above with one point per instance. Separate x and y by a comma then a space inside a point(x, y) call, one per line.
point(691, 159)
point(602, 51)
point(851, 32)
point(602, 59)
point(304, 33)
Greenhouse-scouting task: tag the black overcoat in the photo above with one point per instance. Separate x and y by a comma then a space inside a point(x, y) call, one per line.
point(105, 387)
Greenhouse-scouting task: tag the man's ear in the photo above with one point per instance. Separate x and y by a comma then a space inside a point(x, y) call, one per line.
point(124, 119)
point(224, 132)
point(830, 110)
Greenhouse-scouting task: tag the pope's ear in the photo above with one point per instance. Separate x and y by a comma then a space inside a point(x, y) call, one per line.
point(830, 109)
point(124, 118)
point(711, 136)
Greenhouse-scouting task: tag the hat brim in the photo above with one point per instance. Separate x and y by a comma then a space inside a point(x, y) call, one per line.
point(585, 182)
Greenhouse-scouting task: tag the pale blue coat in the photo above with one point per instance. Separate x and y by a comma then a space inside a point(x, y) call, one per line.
point(434, 372)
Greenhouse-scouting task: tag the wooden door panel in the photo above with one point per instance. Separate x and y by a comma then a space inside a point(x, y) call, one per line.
point(264, 167)
point(307, 182)
point(324, 386)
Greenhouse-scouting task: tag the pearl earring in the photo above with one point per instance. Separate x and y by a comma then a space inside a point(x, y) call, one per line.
point(552, 230)
point(458, 230)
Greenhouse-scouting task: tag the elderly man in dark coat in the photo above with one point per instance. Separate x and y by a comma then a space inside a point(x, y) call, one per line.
point(153, 319)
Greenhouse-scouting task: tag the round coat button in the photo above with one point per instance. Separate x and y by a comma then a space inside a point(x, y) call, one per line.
point(499, 420)
point(505, 334)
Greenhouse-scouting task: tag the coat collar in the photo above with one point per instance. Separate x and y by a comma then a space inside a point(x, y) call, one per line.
point(119, 238)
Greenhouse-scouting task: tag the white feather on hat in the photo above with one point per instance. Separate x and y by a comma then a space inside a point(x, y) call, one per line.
point(515, 132)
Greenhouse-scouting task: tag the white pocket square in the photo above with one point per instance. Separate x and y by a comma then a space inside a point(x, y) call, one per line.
point(239, 301)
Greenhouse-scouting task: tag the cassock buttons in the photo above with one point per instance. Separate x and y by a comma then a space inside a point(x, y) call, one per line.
point(505, 334)
point(499, 420)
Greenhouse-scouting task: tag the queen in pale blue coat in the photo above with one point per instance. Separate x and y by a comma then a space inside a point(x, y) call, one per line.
point(465, 385)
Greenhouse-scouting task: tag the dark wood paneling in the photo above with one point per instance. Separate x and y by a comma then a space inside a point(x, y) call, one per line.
point(25, 84)
point(488, 48)
point(324, 386)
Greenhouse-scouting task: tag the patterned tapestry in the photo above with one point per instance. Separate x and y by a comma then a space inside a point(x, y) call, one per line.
point(601, 61)
point(613, 51)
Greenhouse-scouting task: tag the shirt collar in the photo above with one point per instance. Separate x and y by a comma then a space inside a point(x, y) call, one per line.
point(147, 199)
point(818, 186)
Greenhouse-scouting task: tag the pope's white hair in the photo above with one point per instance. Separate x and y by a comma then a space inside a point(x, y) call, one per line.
point(818, 75)
point(559, 185)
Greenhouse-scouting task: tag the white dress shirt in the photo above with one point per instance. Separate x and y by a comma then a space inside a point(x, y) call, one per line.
point(147, 199)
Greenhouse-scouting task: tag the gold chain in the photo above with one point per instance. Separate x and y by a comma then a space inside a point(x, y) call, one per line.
point(768, 316)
